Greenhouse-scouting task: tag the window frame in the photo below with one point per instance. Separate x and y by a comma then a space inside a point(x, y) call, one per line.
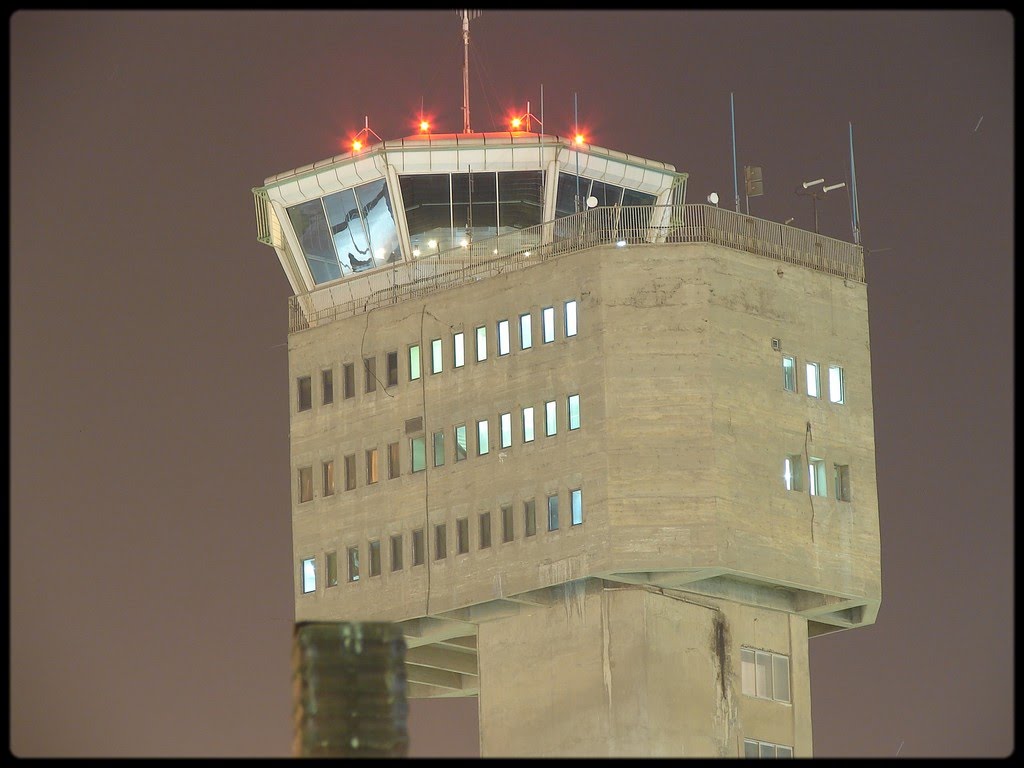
point(303, 394)
point(465, 444)
point(815, 379)
point(352, 558)
point(458, 350)
point(375, 559)
point(330, 569)
point(547, 322)
point(327, 477)
point(526, 340)
point(483, 442)
point(396, 553)
point(305, 484)
point(569, 412)
point(415, 363)
point(394, 460)
point(504, 340)
point(576, 506)
point(575, 318)
point(372, 466)
point(531, 422)
point(553, 522)
point(550, 418)
point(484, 531)
point(391, 369)
point(481, 343)
point(307, 575)
point(841, 376)
point(789, 377)
point(436, 356)
point(326, 386)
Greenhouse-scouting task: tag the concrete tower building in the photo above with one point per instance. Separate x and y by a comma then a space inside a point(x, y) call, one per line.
point(606, 457)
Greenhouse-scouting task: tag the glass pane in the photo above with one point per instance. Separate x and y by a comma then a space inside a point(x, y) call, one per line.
point(375, 558)
point(812, 380)
point(577, 506)
point(332, 569)
point(763, 674)
point(606, 194)
point(552, 513)
point(482, 190)
point(528, 425)
point(462, 535)
point(525, 332)
point(310, 225)
point(766, 750)
point(520, 199)
point(574, 411)
point(306, 484)
point(396, 552)
point(439, 449)
point(632, 197)
point(549, 324)
point(506, 430)
point(414, 362)
point(419, 454)
point(482, 446)
point(353, 564)
point(348, 232)
point(375, 207)
point(567, 191)
point(570, 318)
point(789, 374)
point(529, 517)
point(747, 671)
point(327, 382)
point(436, 361)
point(507, 524)
point(780, 677)
point(428, 209)
point(417, 547)
point(485, 530)
point(781, 751)
point(460, 442)
point(440, 542)
point(309, 575)
point(481, 344)
point(749, 748)
point(503, 337)
point(835, 384)
point(305, 393)
point(550, 421)
point(460, 350)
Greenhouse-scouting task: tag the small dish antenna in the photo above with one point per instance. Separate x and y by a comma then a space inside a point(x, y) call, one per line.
point(713, 198)
point(591, 202)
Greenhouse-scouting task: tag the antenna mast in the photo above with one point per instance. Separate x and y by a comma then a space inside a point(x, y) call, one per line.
point(853, 180)
point(466, 16)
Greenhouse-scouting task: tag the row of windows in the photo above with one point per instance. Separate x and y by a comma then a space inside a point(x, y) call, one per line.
point(418, 447)
point(764, 675)
point(457, 358)
point(793, 476)
point(812, 377)
point(753, 748)
point(439, 549)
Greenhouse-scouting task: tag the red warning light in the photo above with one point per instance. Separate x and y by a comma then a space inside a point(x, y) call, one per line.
point(579, 138)
point(357, 145)
point(424, 126)
point(516, 122)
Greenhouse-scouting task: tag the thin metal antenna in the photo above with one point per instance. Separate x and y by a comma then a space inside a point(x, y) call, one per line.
point(735, 182)
point(466, 16)
point(853, 180)
point(576, 132)
point(542, 105)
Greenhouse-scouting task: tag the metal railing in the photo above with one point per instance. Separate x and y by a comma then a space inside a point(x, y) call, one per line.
point(618, 225)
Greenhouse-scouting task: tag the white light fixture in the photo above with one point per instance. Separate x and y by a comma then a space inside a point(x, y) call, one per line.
point(713, 198)
point(416, 252)
point(591, 202)
point(620, 243)
point(830, 187)
point(813, 183)
point(432, 243)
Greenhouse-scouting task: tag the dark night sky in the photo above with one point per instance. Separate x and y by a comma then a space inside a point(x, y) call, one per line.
point(151, 599)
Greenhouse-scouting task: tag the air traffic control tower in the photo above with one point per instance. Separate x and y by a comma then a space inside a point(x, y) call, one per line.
point(605, 456)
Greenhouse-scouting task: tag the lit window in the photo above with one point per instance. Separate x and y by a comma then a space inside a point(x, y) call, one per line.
point(529, 518)
point(813, 389)
point(481, 343)
point(764, 674)
point(506, 430)
point(460, 442)
point(485, 530)
point(793, 472)
point(550, 419)
point(752, 748)
point(391, 360)
point(508, 527)
point(553, 512)
point(462, 535)
point(349, 380)
point(327, 385)
point(525, 331)
point(328, 472)
point(482, 446)
point(353, 563)
point(371, 466)
point(836, 387)
point(417, 547)
point(305, 484)
point(332, 569)
point(504, 342)
point(439, 449)
point(548, 315)
point(570, 318)
point(436, 359)
point(842, 480)
point(440, 542)
point(816, 477)
point(394, 468)
point(789, 373)
point(396, 552)
point(573, 409)
point(375, 558)
point(414, 362)
point(576, 497)
point(370, 366)
point(459, 346)
point(309, 575)
point(528, 424)
point(305, 388)
point(418, 449)
point(350, 472)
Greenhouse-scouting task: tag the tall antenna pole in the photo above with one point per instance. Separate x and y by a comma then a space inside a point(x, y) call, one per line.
point(465, 71)
point(576, 132)
point(735, 183)
point(853, 180)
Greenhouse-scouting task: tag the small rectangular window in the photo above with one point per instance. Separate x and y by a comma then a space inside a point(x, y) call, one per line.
point(506, 430)
point(327, 386)
point(328, 474)
point(371, 466)
point(436, 359)
point(459, 350)
point(417, 547)
point(350, 472)
point(370, 367)
point(418, 450)
point(482, 444)
point(570, 318)
point(553, 512)
point(576, 499)
point(309, 575)
point(812, 380)
point(508, 528)
point(481, 343)
point(550, 419)
point(573, 409)
point(793, 472)
point(353, 563)
point(548, 316)
point(375, 558)
point(305, 389)
point(485, 530)
point(764, 675)
point(391, 360)
point(816, 477)
point(529, 518)
point(842, 481)
point(528, 424)
point(783, 752)
point(789, 373)
point(460, 442)
point(462, 535)
point(305, 484)
point(836, 387)
point(504, 342)
point(394, 467)
point(348, 380)
point(414, 362)
point(780, 677)
point(747, 671)
point(439, 449)
point(396, 552)
point(332, 569)
point(525, 331)
point(750, 749)
point(440, 542)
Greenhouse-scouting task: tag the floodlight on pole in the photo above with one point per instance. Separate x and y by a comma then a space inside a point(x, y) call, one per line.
point(829, 188)
point(713, 198)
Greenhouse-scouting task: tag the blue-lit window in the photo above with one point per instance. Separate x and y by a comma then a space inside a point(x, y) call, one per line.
point(576, 496)
point(309, 575)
